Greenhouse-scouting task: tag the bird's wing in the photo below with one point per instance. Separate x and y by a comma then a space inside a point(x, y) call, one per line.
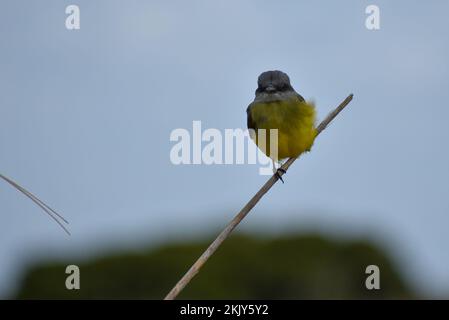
point(250, 121)
point(300, 97)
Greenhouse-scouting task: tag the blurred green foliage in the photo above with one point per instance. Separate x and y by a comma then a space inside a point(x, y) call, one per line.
point(290, 267)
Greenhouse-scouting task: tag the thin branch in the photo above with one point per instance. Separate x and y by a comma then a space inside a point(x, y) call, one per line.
point(195, 268)
point(52, 213)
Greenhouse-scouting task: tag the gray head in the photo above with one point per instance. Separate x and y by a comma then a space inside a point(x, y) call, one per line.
point(271, 82)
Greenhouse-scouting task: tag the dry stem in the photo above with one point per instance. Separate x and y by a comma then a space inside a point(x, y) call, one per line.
point(195, 268)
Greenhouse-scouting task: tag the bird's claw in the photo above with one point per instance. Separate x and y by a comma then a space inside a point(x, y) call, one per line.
point(279, 175)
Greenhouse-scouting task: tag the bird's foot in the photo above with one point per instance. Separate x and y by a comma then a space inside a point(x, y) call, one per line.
point(279, 175)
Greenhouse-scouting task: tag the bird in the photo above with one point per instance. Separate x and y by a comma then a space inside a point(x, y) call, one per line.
point(278, 106)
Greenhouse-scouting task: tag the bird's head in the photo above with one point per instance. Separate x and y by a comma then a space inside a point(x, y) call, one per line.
point(272, 82)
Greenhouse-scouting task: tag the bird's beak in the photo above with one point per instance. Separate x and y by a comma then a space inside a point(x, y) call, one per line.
point(270, 89)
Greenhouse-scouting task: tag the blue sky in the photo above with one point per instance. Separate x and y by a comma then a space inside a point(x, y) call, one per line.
point(86, 118)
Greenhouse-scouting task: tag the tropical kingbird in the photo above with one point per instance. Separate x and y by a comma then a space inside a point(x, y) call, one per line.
point(278, 106)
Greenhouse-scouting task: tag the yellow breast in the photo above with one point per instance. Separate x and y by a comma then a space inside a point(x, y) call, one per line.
point(295, 121)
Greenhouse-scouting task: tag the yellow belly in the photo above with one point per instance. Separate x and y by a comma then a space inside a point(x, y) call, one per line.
point(295, 121)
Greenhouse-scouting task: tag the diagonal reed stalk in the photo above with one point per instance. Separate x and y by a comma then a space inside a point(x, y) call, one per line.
point(195, 268)
point(52, 213)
